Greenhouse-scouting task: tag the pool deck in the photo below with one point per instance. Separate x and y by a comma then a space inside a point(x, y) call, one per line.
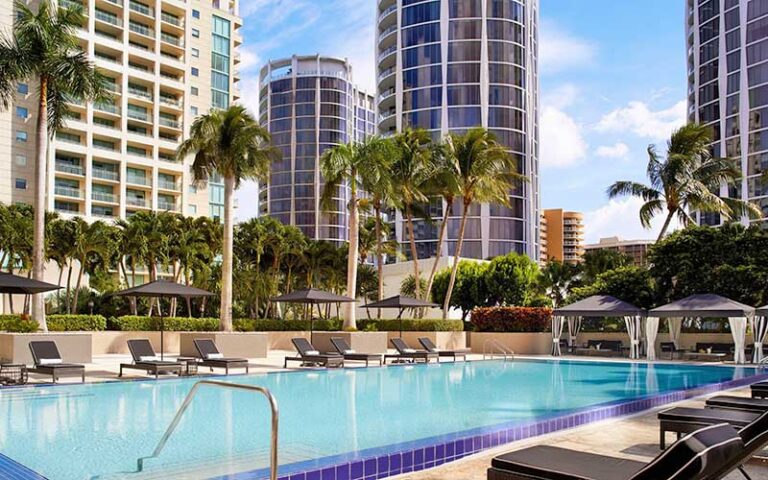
point(634, 437)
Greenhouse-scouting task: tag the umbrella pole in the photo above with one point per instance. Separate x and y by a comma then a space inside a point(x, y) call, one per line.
point(162, 331)
point(311, 327)
point(400, 318)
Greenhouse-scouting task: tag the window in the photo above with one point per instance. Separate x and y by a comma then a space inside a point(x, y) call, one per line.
point(194, 110)
point(22, 88)
point(195, 72)
point(195, 91)
point(195, 52)
point(196, 33)
point(196, 13)
point(192, 189)
point(21, 183)
point(21, 160)
point(21, 136)
point(22, 112)
point(192, 210)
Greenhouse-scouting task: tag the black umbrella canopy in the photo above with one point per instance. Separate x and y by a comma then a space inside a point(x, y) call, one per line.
point(313, 296)
point(399, 301)
point(707, 305)
point(163, 288)
point(22, 285)
point(599, 306)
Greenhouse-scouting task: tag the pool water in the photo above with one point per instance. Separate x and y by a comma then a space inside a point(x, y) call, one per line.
point(100, 430)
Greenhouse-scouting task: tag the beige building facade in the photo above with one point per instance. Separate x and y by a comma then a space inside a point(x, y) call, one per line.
point(562, 236)
point(637, 249)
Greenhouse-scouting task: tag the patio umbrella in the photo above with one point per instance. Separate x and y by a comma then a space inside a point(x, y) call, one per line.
point(312, 296)
point(15, 284)
point(162, 289)
point(402, 303)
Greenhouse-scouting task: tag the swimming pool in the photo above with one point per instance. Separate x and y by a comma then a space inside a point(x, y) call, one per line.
point(338, 423)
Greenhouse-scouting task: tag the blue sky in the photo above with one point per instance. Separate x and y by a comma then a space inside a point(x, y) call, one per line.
point(612, 81)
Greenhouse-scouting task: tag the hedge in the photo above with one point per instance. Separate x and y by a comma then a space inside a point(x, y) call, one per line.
point(411, 325)
point(512, 319)
point(76, 323)
point(130, 323)
point(335, 325)
point(16, 324)
point(271, 325)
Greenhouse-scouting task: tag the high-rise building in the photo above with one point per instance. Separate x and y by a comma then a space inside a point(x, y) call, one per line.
point(447, 66)
point(166, 61)
point(728, 88)
point(564, 236)
point(310, 104)
point(637, 249)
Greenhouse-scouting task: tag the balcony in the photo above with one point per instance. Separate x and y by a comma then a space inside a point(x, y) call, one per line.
point(105, 174)
point(141, 8)
point(170, 206)
point(139, 93)
point(64, 167)
point(387, 32)
point(70, 192)
point(171, 101)
point(386, 73)
point(136, 202)
point(172, 39)
point(168, 185)
point(70, 4)
point(168, 122)
point(136, 180)
point(107, 107)
point(387, 93)
point(170, 19)
point(140, 116)
point(103, 197)
point(387, 11)
point(107, 17)
point(141, 29)
point(119, 3)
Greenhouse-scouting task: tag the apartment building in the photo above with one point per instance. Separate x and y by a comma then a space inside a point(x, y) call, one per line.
point(166, 61)
point(564, 238)
point(636, 249)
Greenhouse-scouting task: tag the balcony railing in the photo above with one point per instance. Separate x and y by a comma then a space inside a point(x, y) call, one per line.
point(166, 206)
point(63, 167)
point(136, 180)
point(388, 10)
point(172, 39)
point(70, 4)
point(107, 107)
point(174, 102)
point(141, 8)
point(387, 32)
point(168, 185)
point(68, 191)
point(103, 197)
point(107, 17)
point(169, 76)
point(386, 73)
point(116, 2)
point(137, 92)
point(132, 114)
point(167, 122)
point(105, 174)
point(168, 18)
point(136, 201)
point(141, 29)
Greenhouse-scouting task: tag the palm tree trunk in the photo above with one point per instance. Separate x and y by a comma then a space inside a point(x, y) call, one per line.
point(69, 287)
point(189, 300)
point(77, 286)
point(440, 238)
point(226, 267)
point(38, 249)
point(354, 227)
point(664, 228)
point(379, 261)
point(455, 267)
point(414, 254)
point(58, 292)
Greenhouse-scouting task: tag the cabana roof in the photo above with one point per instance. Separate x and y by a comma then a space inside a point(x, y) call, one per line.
point(706, 305)
point(599, 306)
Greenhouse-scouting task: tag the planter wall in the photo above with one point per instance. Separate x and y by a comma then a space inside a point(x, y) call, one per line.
point(111, 342)
point(443, 340)
point(520, 343)
point(74, 347)
point(363, 342)
point(282, 340)
point(230, 344)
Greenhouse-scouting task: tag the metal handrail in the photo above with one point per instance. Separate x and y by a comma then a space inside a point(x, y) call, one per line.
point(502, 350)
point(236, 386)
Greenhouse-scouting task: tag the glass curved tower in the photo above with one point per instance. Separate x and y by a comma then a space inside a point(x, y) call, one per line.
point(449, 65)
point(309, 104)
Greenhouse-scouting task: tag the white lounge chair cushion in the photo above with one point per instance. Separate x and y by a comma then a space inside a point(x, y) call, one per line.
point(349, 351)
point(311, 352)
point(149, 358)
point(409, 350)
point(50, 361)
point(214, 356)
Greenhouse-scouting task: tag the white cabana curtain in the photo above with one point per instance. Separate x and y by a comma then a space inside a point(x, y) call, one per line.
point(574, 327)
point(651, 331)
point(675, 325)
point(739, 332)
point(557, 331)
point(634, 329)
point(759, 326)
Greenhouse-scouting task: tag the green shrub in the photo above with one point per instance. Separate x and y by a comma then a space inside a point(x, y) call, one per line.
point(412, 325)
point(271, 325)
point(130, 323)
point(76, 323)
point(335, 325)
point(16, 324)
point(512, 319)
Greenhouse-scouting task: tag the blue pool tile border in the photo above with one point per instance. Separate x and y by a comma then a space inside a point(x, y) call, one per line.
point(379, 463)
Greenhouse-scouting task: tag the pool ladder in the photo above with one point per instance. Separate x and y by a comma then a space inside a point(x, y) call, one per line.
point(493, 348)
point(235, 386)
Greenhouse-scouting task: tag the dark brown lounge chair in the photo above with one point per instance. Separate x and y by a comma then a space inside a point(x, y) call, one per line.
point(48, 361)
point(699, 456)
point(756, 405)
point(759, 389)
point(454, 354)
point(686, 420)
point(212, 358)
point(406, 353)
point(350, 355)
point(145, 358)
point(309, 356)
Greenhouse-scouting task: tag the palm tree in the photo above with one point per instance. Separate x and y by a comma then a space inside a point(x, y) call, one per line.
point(232, 144)
point(61, 251)
point(344, 165)
point(486, 174)
point(373, 239)
point(188, 249)
point(687, 179)
point(44, 48)
point(556, 279)
point(411, 171)
point(92, 243)
point(16, 239)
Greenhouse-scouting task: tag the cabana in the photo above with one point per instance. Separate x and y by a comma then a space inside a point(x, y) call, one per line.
point(759, 329)
point(603, 306)
point(701, 306)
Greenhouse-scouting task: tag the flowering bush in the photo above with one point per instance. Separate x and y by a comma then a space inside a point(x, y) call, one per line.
point(512, 319)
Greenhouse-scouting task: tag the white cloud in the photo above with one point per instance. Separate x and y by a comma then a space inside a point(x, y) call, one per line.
point(560, 97)
point(620, 218)
point(562, 143)
point(619, 150)
point(249, 93)
point(562, 51)
point(639, 119)
point(249, 60)
point(247, 197)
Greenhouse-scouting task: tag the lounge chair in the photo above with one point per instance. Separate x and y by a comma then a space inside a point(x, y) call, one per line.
point(406, 353)
point(756, 405)
point(755, 438)
point(454, 354)
point(698, 456)
point(48, 362)
point(310, 356)
point(350, 355)
point(211, 357)
point(145, 358)
point(759, 389)
point(672, 350)
point(601, 348)
point(686, 420)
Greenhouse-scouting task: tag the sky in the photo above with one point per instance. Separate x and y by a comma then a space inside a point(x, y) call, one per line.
point(612, 74)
